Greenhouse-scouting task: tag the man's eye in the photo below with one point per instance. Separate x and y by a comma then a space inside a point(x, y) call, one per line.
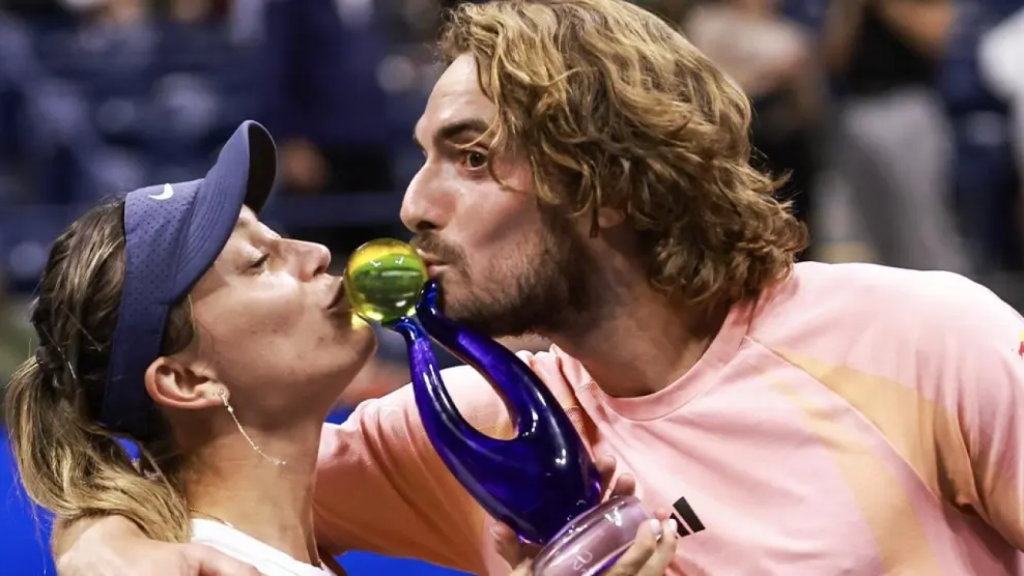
point(475, 160)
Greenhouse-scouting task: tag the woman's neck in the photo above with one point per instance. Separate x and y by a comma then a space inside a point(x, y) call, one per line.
point(231, 483)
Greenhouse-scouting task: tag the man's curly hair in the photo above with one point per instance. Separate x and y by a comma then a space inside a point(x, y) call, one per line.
point(612, 107)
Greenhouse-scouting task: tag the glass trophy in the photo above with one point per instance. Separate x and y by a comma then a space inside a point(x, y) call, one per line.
point(542, 483)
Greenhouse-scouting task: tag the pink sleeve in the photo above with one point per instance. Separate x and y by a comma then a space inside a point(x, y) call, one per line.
point(972, 354)
point(382, 488)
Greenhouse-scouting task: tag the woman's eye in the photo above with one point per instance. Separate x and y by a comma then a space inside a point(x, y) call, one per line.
point(260, 263)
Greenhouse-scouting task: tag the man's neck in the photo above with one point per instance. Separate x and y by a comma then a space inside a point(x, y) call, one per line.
point(272, 503)
point(636, 341)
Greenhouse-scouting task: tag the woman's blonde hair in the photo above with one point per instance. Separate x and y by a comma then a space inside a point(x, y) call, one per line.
point(612, 107)
point(68, 462)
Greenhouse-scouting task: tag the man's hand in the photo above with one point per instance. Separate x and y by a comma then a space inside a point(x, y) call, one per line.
point(647, 557)
point(114, 546)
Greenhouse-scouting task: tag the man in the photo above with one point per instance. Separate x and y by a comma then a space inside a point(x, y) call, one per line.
point(587, 178)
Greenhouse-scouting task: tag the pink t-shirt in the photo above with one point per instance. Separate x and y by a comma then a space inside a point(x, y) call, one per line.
point(855, 419)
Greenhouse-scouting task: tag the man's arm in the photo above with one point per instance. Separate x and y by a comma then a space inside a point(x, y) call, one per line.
point(65, 533)
point(115, 546)
point(972, 349)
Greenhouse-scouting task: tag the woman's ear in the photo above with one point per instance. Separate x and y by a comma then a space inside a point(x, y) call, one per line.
point(174, 384)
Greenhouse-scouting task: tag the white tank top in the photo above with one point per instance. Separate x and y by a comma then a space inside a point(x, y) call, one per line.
point(265, 558)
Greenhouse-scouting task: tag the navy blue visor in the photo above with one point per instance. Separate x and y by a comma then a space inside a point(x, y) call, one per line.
point(173, 235)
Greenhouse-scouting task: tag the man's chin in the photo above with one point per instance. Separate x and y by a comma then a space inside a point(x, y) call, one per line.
point(489, 316)
point(474, 318)
point(491, 324)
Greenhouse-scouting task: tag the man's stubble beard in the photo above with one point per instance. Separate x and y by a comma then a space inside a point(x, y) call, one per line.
point(541, 290)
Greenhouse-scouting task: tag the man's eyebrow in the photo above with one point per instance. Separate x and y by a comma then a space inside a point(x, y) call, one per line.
point(457, 130)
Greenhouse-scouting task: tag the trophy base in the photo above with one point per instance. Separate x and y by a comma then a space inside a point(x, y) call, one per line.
point(593, 541)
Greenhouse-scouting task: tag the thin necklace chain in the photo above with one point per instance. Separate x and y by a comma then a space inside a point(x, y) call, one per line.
point(255, 447)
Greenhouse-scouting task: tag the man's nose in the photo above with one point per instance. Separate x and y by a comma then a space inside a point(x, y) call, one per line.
point(427, 204)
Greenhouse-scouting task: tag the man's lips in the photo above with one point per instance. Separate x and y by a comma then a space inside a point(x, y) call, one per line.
point(432, 263)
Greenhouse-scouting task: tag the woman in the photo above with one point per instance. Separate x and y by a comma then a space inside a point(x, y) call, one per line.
point(177, 320)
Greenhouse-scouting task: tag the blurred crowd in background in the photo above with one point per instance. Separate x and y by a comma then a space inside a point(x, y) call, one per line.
point(899, 121)
point(894, 118)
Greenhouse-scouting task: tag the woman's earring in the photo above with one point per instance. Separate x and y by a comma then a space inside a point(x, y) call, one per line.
point(223, 393)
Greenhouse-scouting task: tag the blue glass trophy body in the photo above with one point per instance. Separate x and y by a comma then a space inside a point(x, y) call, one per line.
point(542, 483)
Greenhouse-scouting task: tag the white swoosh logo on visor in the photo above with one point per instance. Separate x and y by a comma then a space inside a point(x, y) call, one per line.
point(165, 195)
